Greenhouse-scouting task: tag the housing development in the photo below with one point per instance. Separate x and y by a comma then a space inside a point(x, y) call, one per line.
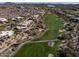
point(39, 30)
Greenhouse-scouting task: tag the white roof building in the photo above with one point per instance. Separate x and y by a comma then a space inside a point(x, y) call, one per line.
point(3, 19)
point(4, 33)
point(19, 17)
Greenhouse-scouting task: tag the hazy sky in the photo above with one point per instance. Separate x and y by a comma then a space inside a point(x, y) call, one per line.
point(39, 0)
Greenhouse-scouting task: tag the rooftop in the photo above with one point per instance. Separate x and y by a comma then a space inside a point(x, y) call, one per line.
point(4, 33)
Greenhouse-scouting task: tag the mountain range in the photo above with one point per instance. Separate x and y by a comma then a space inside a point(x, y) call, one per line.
point(39, 3)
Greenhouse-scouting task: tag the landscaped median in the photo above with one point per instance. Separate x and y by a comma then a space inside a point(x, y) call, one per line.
point(41, 48)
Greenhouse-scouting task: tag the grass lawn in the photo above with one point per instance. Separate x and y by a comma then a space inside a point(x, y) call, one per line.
point(42, 49)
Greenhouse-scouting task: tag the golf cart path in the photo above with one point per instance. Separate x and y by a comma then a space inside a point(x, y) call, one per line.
point(42, 41)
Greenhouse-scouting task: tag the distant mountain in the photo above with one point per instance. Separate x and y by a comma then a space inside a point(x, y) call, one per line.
point(13, 3)
point(9, 3)
point(49, 2)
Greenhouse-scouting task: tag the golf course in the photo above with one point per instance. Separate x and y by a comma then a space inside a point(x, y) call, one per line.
point(41, 49)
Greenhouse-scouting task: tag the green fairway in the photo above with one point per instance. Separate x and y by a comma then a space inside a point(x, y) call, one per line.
point(53, 24)
point(42, 49)
point(37, 50)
